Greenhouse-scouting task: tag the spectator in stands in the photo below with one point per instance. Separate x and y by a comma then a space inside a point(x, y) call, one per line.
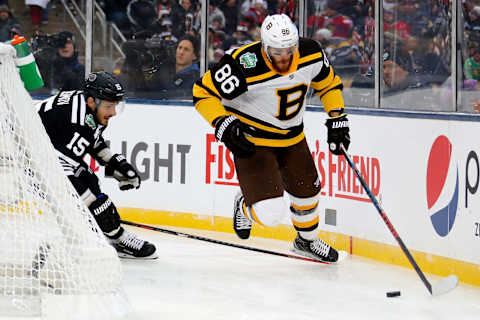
point(62, 70)
point(69, 73)
point(340, 25)
point(248, 4)
point(286, 7)
point(8, 24)
point(403, 85)
point(164, 7)
point(240, 37)
point(186, 68)
point(217, 39)
point(168, 77)
point(323, 37)
point(471, 67)
point(182, 17)
point(350, 8)
point(141, 14)
point(415, 13)
point(256, 13)
point(230, 11)
point(116, 12)
point(426, 63)
point(397, 71)
point(216, 18)
point(36, 9)
point(472, 19)
point(402, 29)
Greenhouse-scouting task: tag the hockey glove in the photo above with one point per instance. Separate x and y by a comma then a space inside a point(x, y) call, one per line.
point(338, 133)
point(120, 169)
point(231, 132)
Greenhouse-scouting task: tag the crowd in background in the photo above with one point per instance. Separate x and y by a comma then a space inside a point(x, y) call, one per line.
point(163, 44)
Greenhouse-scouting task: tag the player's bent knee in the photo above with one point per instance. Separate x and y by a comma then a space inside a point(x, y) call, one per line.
point(105, 213)
point(269, 212)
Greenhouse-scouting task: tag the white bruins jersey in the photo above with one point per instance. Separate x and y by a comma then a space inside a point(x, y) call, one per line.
point(272, 104)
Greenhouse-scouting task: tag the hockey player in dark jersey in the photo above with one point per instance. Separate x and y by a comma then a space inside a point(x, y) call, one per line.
point(75, 121)
point(254, 97)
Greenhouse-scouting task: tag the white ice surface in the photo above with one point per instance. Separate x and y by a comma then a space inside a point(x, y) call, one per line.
point(199, 280)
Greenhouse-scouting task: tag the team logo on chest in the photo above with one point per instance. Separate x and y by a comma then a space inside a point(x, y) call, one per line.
point(248, 60)
point(90, 121)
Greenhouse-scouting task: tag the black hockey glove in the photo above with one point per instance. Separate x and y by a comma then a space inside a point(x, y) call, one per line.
point(338, 133)
point(230, 131)
point(120, 169)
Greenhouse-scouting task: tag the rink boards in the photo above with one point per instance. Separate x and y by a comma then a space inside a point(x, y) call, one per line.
point(424, 172)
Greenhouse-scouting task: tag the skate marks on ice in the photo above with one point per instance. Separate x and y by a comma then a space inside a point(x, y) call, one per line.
point(207, 281)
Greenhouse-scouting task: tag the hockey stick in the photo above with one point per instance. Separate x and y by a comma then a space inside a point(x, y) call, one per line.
point(239, 246)
point(443, 286)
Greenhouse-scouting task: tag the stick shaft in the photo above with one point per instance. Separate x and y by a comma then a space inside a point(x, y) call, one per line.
point(387, 222)
point(191, 236)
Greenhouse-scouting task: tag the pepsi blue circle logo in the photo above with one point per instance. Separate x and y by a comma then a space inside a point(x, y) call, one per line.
point(442, 186)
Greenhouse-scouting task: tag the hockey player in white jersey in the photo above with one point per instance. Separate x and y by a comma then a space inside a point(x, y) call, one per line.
point(255, 99)
point(75, 121)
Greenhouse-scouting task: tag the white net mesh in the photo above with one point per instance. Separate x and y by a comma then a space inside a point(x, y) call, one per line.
point(53, 256)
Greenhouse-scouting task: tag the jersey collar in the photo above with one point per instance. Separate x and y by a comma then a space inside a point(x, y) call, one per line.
point(293, 66)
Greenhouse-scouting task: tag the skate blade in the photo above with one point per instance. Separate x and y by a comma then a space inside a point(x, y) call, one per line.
point(342, 255)
point(153, 256)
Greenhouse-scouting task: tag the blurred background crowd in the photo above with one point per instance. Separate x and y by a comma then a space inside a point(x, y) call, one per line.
point(154, 45)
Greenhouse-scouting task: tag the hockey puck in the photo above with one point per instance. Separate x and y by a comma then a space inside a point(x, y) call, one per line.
point(392, 294)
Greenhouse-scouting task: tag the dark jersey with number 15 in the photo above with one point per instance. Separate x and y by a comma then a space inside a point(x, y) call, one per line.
point(72, 128)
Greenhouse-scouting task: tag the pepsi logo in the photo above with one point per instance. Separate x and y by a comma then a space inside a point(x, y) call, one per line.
point(442, 186)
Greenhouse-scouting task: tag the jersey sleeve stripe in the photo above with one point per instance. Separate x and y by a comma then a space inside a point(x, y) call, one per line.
point(41, 106)
point(207, 103)
point(83, 110)
point(323, 79)
point(339, 87)
point(74, 118)
point(66, 159)
point(196, 99)
point(335, 84)
point(197, 91)
point(207, 83)
point(324, 72)
point(46, 105)
point(49, 104)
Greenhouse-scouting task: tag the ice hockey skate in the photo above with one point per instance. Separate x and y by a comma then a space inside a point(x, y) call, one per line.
point(241, 224)
point(129, 246)
point(316, 249)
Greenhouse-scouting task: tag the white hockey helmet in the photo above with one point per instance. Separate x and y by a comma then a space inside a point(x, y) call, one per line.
point(278, 31)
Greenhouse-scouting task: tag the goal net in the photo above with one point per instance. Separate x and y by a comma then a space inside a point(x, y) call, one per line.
point(55, 263)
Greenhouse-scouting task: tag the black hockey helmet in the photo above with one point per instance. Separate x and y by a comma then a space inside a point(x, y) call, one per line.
point(103, 86)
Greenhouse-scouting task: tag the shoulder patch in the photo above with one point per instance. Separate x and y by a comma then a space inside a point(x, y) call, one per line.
point(248, 60)
point(228, 78)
